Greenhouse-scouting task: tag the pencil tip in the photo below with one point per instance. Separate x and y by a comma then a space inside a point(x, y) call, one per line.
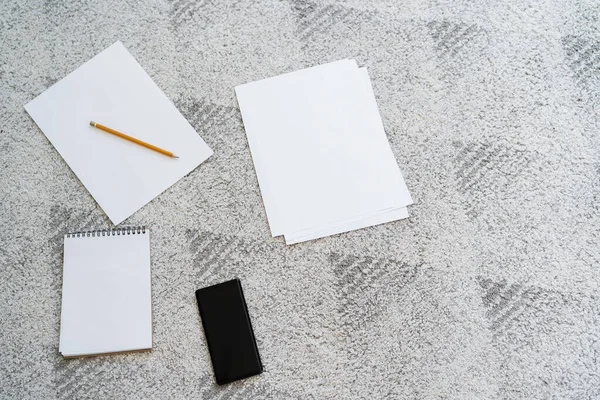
point(92, 123)
point(174, 156)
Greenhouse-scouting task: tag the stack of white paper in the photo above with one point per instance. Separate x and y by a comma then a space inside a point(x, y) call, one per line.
point(322, 158)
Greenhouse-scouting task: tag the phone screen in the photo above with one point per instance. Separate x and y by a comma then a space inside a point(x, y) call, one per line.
point(228, 331)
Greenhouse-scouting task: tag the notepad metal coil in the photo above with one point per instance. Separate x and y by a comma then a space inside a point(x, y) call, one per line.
point(136, 230)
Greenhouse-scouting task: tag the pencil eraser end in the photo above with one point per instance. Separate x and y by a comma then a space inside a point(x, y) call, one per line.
point(92, 123)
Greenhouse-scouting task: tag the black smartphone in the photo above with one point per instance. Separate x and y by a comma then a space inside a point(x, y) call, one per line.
point(228, 331)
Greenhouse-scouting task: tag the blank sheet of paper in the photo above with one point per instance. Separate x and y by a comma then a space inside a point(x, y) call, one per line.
point(377, 217)
point(112, 89)
point(106, 296)
point(320, 152)
point(259, 107)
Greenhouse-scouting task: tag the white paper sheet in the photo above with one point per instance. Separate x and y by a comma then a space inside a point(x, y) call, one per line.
point(255, 114)
point(365, 220)
point(320, 152)
point(106, 296)
point(112, 89)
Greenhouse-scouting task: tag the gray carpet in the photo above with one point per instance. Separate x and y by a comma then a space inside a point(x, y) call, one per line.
point(488, 291)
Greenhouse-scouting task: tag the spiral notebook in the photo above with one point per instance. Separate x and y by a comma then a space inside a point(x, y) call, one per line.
point(106, 295)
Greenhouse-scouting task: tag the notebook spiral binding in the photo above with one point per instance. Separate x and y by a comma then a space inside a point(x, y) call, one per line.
point(109, 232)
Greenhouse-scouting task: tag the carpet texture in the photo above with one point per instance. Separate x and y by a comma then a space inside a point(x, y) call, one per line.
point(488, 291)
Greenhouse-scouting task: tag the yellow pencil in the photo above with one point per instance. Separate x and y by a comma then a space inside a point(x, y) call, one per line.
point(132, 139)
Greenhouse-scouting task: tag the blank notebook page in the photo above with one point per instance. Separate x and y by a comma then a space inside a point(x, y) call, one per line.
point(106, 298)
